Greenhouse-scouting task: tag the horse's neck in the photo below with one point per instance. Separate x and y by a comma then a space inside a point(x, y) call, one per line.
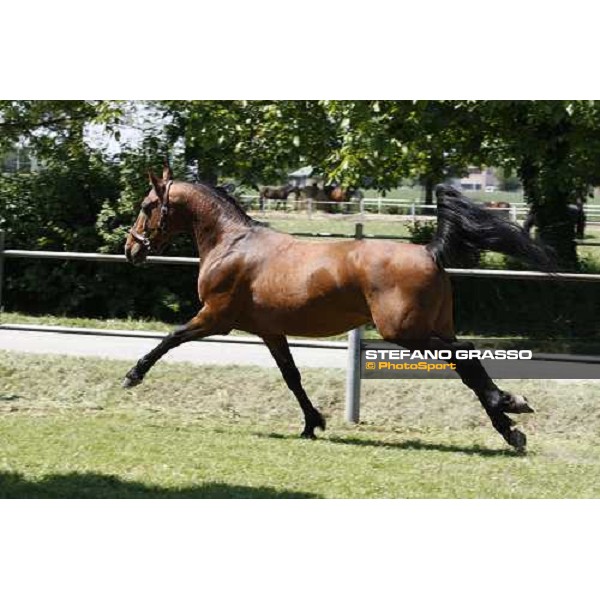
point(211, 228)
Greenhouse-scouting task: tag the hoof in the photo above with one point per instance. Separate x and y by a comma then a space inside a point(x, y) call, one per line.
point(308, 435)
point(517, 405)
point(131, 381)
point(517, 439)
point(320, 422)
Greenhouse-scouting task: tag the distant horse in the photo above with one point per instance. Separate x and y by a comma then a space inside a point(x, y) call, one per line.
point(496, 204)
point(276, 193)
point(576, 216)
point(268, 283)
point(338, 194)
point(501, 208)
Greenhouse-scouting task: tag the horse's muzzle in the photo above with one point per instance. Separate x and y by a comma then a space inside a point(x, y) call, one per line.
point(135, 253)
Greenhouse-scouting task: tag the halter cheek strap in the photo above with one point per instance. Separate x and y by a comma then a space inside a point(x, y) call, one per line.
point(143, 238)
point(164, 208)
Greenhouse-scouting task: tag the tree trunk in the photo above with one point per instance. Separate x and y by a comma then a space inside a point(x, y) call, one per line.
point(547, 189)
point(429, 190)
point(557, 228)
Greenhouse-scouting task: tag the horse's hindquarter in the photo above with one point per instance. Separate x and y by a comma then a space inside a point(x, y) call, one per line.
point(407, 293)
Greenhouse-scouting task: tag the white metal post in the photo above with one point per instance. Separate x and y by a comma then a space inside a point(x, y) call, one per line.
point(353, 376)
point(353, 367)
point(2, 234)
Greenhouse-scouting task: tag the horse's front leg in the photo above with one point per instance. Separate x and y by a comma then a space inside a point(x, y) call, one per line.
point(204, 324)
point(280, 350)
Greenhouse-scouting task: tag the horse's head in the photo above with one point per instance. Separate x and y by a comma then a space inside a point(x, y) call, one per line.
point(153, 229)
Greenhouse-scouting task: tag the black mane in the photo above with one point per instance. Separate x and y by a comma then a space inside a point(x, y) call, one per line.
point(229, 205)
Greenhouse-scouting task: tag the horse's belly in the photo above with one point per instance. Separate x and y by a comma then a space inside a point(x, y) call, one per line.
point(304, 323)
point(313, 316)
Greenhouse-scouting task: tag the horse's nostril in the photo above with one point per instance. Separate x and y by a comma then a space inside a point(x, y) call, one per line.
point(134, 254)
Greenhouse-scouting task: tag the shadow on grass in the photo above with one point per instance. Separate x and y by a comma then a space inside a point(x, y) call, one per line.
point(97, 485)
point(405, 445)
point(9, 397)
point(419, 445)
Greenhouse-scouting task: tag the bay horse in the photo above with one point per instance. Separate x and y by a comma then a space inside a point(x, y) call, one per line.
point(268, 283)
point(502, 208)
point(276, 193)
point(337, 193)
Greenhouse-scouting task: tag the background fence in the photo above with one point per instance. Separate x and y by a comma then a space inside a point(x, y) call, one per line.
point(387, 206)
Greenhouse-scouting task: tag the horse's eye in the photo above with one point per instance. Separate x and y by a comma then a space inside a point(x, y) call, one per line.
point(147, 209)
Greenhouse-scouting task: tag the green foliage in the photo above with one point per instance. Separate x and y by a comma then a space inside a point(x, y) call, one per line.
point(545, 309)
point(56, 208)
point(421, 232)
point(387, 141)
point(86, 204)
point(46, 126)
point(507, 180)
point(250, 142)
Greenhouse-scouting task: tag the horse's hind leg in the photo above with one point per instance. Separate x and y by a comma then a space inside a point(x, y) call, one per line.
point(413, 328)
point(280, 350)
point(495, 401)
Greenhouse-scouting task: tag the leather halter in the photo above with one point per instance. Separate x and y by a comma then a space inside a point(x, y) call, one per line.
point(143, 238)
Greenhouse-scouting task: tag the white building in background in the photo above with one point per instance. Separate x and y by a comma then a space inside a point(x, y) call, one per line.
point(479, 179)
point(18, 160)
point(302, 177)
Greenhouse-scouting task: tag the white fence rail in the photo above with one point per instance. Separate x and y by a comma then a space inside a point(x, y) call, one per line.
point(184, 260)
point(353, 372)
point(410, 208)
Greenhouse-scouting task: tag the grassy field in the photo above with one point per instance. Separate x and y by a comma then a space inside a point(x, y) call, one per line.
point(62, 321)
point(67, 429)
point(374, 225)
point(292, 222)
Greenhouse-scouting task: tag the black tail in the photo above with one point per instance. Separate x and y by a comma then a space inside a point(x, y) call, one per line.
point(465, 229)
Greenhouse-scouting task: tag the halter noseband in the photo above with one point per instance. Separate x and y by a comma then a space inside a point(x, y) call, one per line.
point(143, 238)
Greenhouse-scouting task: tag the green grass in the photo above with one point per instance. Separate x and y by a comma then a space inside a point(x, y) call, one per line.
point(90, 323)
point(374, 225)
point(67, 429)
point(291, 223)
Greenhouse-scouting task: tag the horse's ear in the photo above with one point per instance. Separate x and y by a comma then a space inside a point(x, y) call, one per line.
point(155, 182)
point(167, 173)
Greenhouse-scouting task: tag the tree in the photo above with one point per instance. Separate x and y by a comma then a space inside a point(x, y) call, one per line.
point(387, 141)
point(252, 142)
point(554, 148)
point(46, 125)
